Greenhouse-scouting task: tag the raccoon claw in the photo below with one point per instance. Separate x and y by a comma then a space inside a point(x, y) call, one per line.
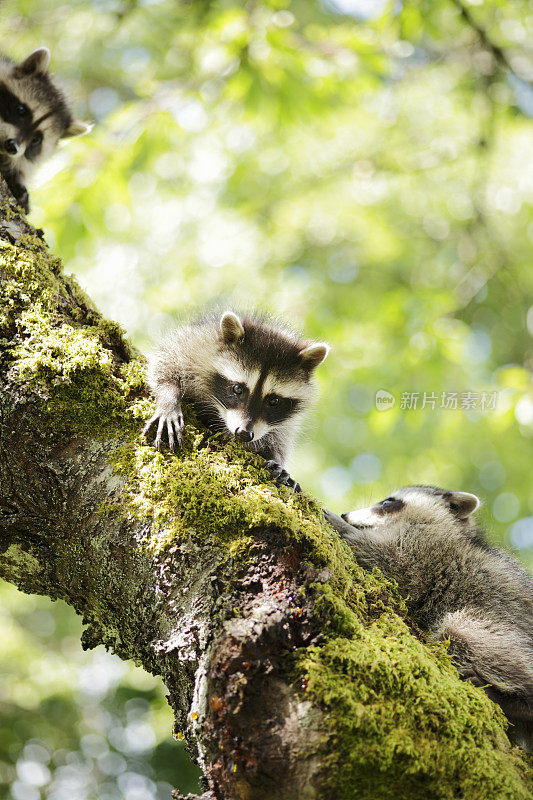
point(281, 476)
point(274, 468)
point(292, 484)
point(174, 433)
point(174, 426)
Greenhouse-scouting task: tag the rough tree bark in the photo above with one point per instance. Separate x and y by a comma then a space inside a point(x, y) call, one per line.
point(291, 672)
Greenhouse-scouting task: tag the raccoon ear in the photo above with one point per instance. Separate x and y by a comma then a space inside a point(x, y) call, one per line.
point(462, 504)
point(314, 354)
point(37, 61)
point(76, 128)
point(231, 328)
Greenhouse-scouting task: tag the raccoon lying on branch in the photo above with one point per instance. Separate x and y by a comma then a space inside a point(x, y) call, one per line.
point(245, 375)
point(34, 115)
point(457, 586)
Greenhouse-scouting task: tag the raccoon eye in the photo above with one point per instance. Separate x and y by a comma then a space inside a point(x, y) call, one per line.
point(22, 110)
point(387, 503)
point(37, 139)
point(274, 400)
point(237, 388)
point(389, 506)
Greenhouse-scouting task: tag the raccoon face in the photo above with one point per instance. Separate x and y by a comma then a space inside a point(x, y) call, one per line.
point(415, 504)
point(263, 378)
point(33, 113)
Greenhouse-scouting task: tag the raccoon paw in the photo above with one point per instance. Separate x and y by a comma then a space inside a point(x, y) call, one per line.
point(472, 676)
point(281, 476)
point(20, 193)
point(173, 421)
point(24, 201)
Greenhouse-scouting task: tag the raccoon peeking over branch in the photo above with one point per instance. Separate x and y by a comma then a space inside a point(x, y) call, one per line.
point(457, 586)
point(34, 115)
point(245, 375)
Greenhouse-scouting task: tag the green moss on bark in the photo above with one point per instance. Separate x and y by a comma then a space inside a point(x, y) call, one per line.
point(222, 492)
point(60, 348)
point(402, 723)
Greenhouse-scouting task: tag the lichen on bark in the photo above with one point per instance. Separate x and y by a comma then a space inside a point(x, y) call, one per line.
point(291, 671)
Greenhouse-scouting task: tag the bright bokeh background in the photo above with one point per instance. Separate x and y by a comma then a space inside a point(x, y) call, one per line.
point(361, 168)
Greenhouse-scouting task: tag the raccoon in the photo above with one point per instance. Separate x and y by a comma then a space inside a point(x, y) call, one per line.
point(245, 375)
point(457, 586)
point(34, 115)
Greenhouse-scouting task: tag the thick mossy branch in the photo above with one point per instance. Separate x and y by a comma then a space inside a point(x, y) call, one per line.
point(395, 708)
point(393, 718)
point(59, 347)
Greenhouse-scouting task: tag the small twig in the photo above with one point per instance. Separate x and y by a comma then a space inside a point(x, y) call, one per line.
point(499, 55)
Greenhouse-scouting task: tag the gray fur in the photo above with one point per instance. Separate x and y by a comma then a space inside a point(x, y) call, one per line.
point(200, 362)
point(457, 586)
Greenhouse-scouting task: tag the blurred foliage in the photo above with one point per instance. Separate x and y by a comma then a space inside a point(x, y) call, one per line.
point(74, 724)
point(360, 167)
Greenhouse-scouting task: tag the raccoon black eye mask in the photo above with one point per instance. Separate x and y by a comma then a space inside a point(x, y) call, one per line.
point(458, 587)
point(34, 115)
point(245, 375)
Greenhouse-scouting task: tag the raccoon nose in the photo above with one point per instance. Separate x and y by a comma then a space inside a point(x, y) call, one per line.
point(11, 147)
point(244, 435)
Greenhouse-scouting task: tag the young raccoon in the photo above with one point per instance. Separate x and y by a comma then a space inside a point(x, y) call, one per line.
point(458, 586)
point(33, 116)
point(243, 374)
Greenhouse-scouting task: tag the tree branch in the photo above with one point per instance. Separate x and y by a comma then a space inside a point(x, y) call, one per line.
point(291, 672)
point(498, 53)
